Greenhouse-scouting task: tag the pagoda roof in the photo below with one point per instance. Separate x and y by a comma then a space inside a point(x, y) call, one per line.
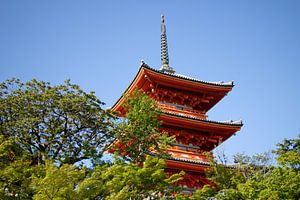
point(181, 82)
point(221, 131)
point(186, 165)
point(183, 77)
point(226, 123)
point(198, 162)
point(201, 163)
point(194, 162)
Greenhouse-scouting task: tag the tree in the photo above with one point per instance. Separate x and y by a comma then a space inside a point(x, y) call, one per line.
point(130, 181)
point(45, 131)
point(288, 153)
point(15, 171)
point(61, 123)
point(116, 181)
point(139, 132)
point(255, 177)
point(58, 183)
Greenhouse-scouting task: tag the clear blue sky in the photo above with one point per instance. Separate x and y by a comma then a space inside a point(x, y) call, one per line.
point(99, 45)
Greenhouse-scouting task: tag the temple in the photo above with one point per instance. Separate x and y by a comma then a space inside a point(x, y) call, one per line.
point(184, 102)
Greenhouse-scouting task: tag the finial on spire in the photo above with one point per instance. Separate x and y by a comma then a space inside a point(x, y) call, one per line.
point(164, 49)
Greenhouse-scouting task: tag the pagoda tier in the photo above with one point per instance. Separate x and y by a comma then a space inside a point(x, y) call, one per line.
point(202, 133)
point(175, 90)
point(182, 105)
point(195, 140)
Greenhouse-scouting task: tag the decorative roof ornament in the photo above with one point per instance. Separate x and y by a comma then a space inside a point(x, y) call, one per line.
point(164, 49)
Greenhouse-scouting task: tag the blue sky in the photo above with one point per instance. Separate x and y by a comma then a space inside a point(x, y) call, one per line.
point(99, 45)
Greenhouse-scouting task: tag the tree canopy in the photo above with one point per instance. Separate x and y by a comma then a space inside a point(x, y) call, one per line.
point(254, 177)
point(46, 132)
point(60, 123)
point(139, 130)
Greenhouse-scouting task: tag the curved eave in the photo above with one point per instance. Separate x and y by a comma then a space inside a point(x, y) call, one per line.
point(189, 161)
point(190, 165)
point(200, 124)
point(197, 162)
point(185, 78)
point(180, 81)
point(118, 105)
point(180, 164)
point(186, 84)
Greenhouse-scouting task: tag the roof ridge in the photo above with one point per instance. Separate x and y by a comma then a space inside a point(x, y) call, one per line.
point(230, 122)
point(219, 83)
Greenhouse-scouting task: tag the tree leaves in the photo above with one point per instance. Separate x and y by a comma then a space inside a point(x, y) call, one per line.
point(112, 182)
point(254, 177)
point(61, 123)
point(288, 153)
point(58, 183)
point(139, 132)
point(45, 131)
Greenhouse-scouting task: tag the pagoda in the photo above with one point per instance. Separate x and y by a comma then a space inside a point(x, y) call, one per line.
point(184, 102)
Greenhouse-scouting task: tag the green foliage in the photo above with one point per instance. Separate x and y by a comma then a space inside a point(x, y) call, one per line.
point(15, 171)
point(130, 181)
point(255, 177)
point(112, 182)
point(288, 153)
point(61, 123)
point(204, 193)
point(278, 183)
point(58, 183)
point(45, 130)
point(139, 132)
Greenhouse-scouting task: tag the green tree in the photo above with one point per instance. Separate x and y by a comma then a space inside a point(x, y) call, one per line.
point(116, 181)
point(61, 123)
point(59, 182)
point(255, 177)
point(15, 171)
point(45, 131)
point(129, 181)
point(288, 153)
point(40, 122)
point(139, 131)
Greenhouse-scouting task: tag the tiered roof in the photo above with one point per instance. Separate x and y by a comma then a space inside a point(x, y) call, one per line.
point(147, 75)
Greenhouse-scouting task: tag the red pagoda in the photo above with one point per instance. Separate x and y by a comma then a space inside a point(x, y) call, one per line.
point(184, 102)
